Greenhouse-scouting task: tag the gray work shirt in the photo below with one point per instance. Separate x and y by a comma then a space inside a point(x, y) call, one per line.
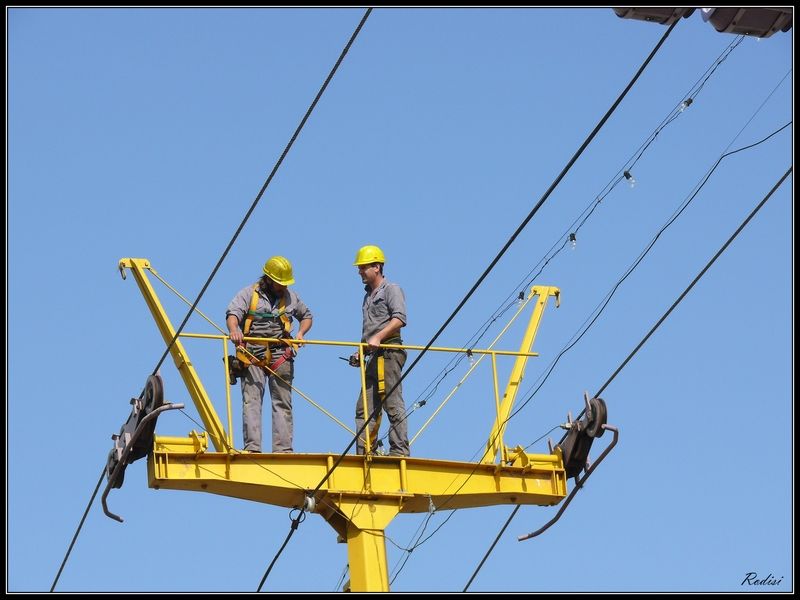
point(266, 326)
point(380, 307)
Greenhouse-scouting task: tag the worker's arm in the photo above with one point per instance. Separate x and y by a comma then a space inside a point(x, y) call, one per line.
point(392, 327)
point(237, 337)
point(305, 325)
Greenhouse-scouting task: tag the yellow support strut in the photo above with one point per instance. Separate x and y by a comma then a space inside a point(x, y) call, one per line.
point(213, 425)
point(495, 442)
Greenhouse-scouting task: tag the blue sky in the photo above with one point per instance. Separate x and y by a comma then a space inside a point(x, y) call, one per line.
point(148, 133)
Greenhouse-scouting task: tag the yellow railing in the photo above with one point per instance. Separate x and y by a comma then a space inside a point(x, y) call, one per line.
point(223, 441)
point(361, 348)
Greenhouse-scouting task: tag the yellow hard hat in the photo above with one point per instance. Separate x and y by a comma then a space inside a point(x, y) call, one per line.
point(367, 255)
point(279, 269)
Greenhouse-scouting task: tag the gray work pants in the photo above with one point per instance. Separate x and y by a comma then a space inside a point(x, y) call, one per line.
point(393, 404)
point(280, 392)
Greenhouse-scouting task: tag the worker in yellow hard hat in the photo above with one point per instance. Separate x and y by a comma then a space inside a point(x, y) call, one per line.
point(384, 314)
point(266, 309)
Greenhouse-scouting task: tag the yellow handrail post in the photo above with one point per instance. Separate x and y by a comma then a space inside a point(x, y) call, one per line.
point(228, 390)
point(365, 402)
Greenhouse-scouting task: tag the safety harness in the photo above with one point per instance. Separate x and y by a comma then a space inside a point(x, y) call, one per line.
point(249, 359)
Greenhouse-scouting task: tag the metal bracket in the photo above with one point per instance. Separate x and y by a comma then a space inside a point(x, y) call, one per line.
point(120, 466)
point(578, 485)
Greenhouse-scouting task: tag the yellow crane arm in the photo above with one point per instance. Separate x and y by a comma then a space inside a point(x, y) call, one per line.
point(139, 268)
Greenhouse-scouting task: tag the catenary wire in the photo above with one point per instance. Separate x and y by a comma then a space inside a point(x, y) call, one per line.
point(640, 152)
point(301, 516)
point(646, 337)
point(503, 250)
point(603, 303)
point(608, 297)
point(594, 204)
point(676, 111)
point(265, 186)
point(80, 526)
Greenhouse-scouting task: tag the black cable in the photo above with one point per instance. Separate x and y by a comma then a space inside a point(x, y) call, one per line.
point(413, 547)
point(688, 98)
point(494, 543)
point(636, 263)
point(295, 522)
point(545, 196)
point(666, 121)
point(301, 516)
point(646, 337)
point(80, 526)
point(690, 95)
point(264, 187)
point(694, 281)
point(608, 298)
point(641, 256)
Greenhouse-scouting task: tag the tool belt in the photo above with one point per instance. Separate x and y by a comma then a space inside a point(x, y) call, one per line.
point(274, 357)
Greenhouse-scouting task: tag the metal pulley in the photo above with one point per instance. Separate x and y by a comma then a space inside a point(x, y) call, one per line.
point(151, 399)
point(578, 441)
point(135, 438)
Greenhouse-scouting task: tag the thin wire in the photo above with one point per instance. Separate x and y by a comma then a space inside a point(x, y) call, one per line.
point(408, 551)
point(609, 187)
point(416, 535)
point(295, 522)
point(608, 298)
point(694, 281)
point(494, 543)
point(545, 196)
point(603, 303)
point(673, 114)
point(80, 526)
point(647, 337)
point(341, 578)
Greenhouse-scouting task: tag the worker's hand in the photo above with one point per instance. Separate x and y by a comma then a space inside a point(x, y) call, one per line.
point(237, 337)
point(353, 361)
point(373, 343)
point(299, 340)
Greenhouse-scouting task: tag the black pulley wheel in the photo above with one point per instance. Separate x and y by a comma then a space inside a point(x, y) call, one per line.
point(153, 394)
point(599, 418)
point(153, 398)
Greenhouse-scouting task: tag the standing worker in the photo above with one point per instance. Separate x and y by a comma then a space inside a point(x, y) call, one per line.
point(265, 309)
point(384, 314)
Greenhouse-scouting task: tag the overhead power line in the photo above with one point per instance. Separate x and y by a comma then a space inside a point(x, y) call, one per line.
point(603, 303)
point(694, 281)
point(300, 517)
point(80, 526)
point(647, 337)
point(264, 187)
point(561, 242)
point(503, 250)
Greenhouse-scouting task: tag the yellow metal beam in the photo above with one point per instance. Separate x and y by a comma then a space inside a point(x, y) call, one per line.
point(495, 442)
point(358, 511)
point(411, 484)
point(213, 425)
point(366, 558)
